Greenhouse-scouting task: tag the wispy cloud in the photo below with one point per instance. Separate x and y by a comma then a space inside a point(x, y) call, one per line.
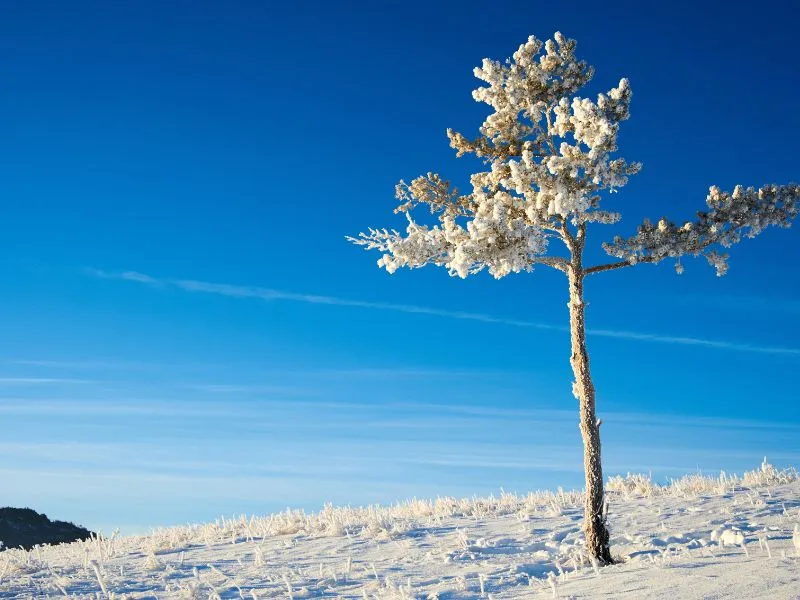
point(741, 303)
point(98, 408)
point(396, 372)
point(127, 275)
point(84, 364)
point(41, 381)
point(237, 291)
point(233, 388)
point(474, 461)
point(690, 341)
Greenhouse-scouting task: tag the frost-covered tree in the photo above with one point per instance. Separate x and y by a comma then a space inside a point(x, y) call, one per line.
point(550, 159)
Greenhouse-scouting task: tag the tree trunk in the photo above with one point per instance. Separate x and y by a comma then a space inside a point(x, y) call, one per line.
point(597, 538)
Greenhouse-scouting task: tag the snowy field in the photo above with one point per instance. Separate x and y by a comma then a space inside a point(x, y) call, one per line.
point(698, 537)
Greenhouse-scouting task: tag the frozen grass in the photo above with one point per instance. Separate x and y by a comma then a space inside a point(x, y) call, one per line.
point(492, 547)
point(694, 485)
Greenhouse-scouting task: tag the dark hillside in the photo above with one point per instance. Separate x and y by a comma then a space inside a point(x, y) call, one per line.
point(27, 528)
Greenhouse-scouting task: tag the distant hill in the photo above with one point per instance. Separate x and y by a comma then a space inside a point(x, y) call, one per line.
point(27, 528)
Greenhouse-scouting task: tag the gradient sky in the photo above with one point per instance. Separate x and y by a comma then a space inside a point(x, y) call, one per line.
point(186, 333)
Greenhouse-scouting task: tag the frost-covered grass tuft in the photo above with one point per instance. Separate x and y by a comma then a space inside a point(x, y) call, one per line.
point(498, 547)
point(693, 485)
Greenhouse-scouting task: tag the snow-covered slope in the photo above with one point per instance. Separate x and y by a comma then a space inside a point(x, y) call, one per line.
point(698, 537)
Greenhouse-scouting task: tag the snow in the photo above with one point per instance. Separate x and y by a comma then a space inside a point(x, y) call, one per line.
point(725, 537)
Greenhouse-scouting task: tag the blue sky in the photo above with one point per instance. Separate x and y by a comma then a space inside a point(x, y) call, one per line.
point(186, 333)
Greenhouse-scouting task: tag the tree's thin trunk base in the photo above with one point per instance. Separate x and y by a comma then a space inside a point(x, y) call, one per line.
point(598, 540)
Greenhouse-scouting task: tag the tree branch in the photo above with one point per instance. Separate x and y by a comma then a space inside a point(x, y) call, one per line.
point(731, 217)
point(555, 262)
point(569, 239)
point(549, 129)
point(616, 265)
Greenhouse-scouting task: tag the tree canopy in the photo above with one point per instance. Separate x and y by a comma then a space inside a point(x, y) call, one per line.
point(551, 156)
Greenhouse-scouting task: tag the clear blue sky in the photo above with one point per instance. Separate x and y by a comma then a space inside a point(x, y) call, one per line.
point(237, 143)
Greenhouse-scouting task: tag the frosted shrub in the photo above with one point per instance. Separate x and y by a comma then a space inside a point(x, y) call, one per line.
point(768, 475)
point(332, 521)
point(696, 484)
point(635, 484)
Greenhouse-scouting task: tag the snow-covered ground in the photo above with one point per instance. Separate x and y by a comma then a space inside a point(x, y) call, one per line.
point(698, 537)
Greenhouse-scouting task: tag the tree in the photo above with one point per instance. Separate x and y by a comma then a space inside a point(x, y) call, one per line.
point(550, 160)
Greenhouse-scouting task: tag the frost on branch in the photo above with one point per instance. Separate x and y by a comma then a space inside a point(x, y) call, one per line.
point(549, 159)
point(548, 156)
point(520, 92)
point(744, 212)
point(492, 238)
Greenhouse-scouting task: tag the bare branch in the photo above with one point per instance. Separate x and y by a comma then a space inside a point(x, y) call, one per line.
point(555, 262)
point(567, 236)
point(612, 266)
